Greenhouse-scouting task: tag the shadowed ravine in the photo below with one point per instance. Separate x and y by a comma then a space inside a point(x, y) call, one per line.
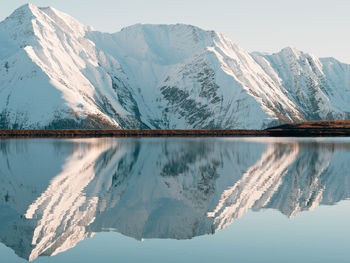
point(55, 193)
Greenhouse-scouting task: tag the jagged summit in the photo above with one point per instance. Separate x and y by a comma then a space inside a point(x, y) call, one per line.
point(290, 50)
point(169, 44)
point(58, 73)
point(24, 9)
point(31, 14)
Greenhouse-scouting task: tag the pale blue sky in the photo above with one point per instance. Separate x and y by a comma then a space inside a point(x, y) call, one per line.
point(320, 27)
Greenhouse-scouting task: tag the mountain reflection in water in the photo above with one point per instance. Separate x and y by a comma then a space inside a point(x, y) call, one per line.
point(55, 193)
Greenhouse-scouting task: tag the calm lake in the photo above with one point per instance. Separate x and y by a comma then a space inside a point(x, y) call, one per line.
point(175, 200)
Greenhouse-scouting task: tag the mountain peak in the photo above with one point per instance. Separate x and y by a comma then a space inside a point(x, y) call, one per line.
point(168, 44)
point(291, 51)
point(22, 20)
point(27, 6)
point(163, 26)
point(25, 10)
point(18, 27)
point(181, 30)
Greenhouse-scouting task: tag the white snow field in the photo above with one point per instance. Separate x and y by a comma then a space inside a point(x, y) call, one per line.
point(57, 73)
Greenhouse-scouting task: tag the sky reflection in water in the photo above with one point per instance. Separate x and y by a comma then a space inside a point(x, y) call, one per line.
point(57, 193)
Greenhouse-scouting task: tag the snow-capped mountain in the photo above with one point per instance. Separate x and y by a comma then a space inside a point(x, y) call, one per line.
point(157, 188)
point(57, 73)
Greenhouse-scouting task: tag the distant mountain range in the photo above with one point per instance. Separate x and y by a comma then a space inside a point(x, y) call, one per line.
point(57, 73)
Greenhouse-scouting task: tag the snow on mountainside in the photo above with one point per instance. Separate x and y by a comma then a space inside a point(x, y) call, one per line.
point(58, 73)
point(319, 87)
point(53, 77)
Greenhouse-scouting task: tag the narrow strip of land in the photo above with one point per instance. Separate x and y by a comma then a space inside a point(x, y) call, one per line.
point(305, 129)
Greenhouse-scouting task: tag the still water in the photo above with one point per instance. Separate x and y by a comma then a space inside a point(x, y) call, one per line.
point(175, 200)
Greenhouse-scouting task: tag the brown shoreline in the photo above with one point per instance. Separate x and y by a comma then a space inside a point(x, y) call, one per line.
point(304, 129)
point(130, 133)
point(171, 133)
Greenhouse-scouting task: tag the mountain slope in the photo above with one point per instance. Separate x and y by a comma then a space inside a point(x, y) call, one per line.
point(57, 73)
point(191, 78)
point(319, 87)
point(52, 76)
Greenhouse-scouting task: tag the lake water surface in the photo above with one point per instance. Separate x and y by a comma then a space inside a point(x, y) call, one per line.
point(175, 200)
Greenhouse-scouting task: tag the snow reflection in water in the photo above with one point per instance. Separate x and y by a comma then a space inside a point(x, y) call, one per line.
point(56, 193)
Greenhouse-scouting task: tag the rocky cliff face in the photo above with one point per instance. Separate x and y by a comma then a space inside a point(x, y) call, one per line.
point(58, 73)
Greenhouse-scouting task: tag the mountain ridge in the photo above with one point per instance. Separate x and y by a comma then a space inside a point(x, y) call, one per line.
point(58, 73)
